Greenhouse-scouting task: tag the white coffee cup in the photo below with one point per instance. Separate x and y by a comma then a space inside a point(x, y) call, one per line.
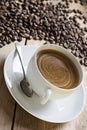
point(41, 86)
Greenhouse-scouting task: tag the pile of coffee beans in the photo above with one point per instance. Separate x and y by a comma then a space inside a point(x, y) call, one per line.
point(40, 20)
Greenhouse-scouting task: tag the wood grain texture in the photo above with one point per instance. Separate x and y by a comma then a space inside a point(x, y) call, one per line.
point(7, 103)
point(6, 108)
point(35, 42)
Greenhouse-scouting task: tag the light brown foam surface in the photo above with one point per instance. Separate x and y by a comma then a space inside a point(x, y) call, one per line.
point(58, 69)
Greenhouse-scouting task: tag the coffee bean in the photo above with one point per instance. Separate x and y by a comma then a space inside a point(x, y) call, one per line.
point(65, 45)
point(81, 55)
point(79, 17)
point(84, 22)
point(79, 12)
point(81, 3)
point(19, 38)
point(1, 45)
point(74, 11)
point(76, 1)
point(82, 61)
point(85, 61)
point(70, 1)
point(85, 29)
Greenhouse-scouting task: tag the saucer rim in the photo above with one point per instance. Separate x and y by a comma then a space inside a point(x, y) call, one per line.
point(27, 110)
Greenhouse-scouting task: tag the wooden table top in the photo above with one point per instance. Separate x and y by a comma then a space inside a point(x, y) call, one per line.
point(13, 117)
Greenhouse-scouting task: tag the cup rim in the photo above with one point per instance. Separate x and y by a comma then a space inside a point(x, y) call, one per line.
point(42, 47)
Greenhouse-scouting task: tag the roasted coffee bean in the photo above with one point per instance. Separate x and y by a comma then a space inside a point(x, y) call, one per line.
point(1, 45)
point(79, 12)
point(85, 61)
point(75, 11)
point(81, 2)
point(82, 61)
point(84, 22)
point(19, 38)
point(4, 42)
point(70, 1)
point(85, 29)
point(84, 18)
point(79, 17)
point(81, 55)
point(76, 1)
point(65, 45)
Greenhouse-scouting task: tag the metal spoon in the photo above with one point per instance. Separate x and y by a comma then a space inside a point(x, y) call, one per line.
point(24, 83)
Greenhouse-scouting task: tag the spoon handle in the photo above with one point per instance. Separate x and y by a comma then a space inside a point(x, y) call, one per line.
point(18, 49)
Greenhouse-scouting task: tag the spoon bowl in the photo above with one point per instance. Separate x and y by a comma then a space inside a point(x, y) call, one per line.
point(26, 87)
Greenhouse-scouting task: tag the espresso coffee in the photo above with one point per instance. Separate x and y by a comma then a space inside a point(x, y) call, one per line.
point(57, 68)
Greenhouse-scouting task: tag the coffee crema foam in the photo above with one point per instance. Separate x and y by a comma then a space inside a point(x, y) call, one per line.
point(57, 68)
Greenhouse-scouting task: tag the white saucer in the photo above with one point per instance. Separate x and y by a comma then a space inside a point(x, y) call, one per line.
point(58, 111)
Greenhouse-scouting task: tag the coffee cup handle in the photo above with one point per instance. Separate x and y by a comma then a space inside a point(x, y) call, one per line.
point(45, 98)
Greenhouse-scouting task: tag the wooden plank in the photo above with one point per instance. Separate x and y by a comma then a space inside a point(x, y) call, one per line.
point(7, 103)
point(25, 121)
point(6, 108)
